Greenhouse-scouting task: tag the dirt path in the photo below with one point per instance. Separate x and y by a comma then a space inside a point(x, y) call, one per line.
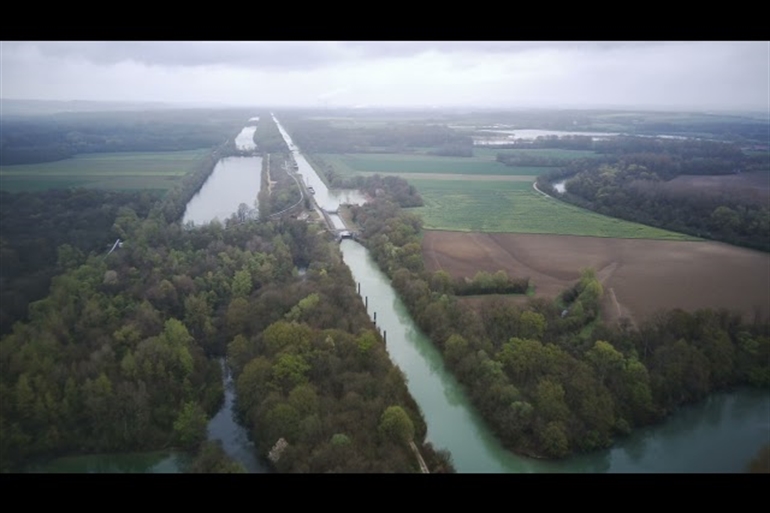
point(423, 466)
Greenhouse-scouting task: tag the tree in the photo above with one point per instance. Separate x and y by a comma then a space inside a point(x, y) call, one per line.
point(396, 425)
point(190, 426)
point(212, 459)
point(554, 440)
point(242, 283)
point(531, 325)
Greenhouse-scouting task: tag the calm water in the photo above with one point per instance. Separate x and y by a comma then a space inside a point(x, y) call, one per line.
point(503, 136)
point(245, 139)
point(235, 180)
point(234, 438)
point(326, 199)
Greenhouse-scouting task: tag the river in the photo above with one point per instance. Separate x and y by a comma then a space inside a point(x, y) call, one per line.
point(721, 434)
point(234, 438)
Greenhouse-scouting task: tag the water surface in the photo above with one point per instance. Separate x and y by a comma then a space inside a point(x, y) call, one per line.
point(235, 180)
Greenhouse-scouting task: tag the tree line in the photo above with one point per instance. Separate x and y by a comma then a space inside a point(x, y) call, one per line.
point(33, 139)
point(638, 193)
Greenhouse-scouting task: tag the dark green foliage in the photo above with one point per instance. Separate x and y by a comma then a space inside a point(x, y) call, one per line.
point(26, 140)
point(47, 233)
point(267, 137)
point(487, 283)
point(212, 459)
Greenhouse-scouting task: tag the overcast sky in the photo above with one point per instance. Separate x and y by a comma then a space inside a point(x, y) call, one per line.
point(697, 75)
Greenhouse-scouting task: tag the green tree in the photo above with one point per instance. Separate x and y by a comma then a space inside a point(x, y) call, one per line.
point(242, 284)
point(396, 425)
point(531, 325)
point(190, 426)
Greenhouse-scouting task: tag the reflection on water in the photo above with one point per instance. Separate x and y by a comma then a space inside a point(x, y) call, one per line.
point(245, 139)
point(235, 180)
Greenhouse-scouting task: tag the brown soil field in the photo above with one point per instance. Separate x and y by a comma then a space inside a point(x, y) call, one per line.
point(639, 276)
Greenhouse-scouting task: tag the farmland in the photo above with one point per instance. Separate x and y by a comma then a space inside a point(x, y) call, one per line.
point(480, 194)
point(685, 274)
point(115, 171)
point(489, 206)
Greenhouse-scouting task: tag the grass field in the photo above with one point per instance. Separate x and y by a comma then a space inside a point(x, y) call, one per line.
point(481, 195)
point(514, 207)
point(118, 171)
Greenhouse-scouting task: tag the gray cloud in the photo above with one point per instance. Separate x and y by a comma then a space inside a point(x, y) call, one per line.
point(490, 73)
point(248, 54)
point(289, 55)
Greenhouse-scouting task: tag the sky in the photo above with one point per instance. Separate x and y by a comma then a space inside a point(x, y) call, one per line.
point(708, 75)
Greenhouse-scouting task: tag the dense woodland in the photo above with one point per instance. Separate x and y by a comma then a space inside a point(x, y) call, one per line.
point(631, 181)
point(122, 354)
point(552, 383)
point(45, 138)
point(42, 229)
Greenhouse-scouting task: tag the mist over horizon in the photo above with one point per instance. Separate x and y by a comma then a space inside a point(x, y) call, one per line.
point(684, 76)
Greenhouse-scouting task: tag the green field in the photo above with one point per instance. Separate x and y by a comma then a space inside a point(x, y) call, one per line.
point(117, 171)
point(402, 165)
point(486, 204)
point(514, 207)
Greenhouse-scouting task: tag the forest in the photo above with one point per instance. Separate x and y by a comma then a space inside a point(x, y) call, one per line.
point(32, 139)
point(122, 354)
point(324, 136)
point(552, 383)
point(631, 181)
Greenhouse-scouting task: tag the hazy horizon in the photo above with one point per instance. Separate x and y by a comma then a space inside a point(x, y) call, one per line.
point(695, 76)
